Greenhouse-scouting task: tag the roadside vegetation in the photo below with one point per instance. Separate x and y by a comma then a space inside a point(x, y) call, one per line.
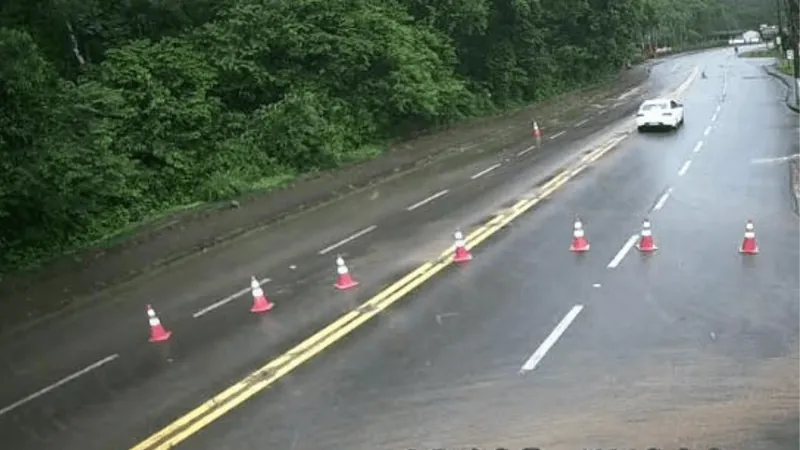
point(114, 112)
point(782, 64)
point(785, 66)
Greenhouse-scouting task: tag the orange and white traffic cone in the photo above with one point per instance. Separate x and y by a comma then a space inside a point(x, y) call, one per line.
point(749, 244)
point(157, 331)
point(461, 254)
point(536, 131)
point(261, 303)
point(345, 281)
point(646, 242)
point(579, 241)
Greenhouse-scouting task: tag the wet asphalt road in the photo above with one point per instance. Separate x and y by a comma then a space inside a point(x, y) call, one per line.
point(442, 367)
point(695, 345)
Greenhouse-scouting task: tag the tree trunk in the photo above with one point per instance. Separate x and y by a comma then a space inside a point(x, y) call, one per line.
point(75, 50)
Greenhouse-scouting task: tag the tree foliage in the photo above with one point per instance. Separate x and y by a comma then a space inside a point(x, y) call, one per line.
point(114, 111)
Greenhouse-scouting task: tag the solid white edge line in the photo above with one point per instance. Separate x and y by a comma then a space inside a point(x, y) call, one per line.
point(58, 384)
point(628, 93)
point(662, 200)
point(697, 147)
point(427, 200)
point(485, 171)
point(775, 160)
point(551, 339)
point(684, 168)
point(683, 86)
point(623, 251)
point(227, 299)
point(348, 239)
point(560, 133)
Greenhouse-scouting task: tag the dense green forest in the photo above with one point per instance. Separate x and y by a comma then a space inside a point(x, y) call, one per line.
point(113, 111)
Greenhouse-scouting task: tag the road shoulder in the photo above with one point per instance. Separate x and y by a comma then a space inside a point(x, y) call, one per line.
point(794, 165)
point(787, 81)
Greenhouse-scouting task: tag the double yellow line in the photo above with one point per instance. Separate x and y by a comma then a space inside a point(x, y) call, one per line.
point(192, 422)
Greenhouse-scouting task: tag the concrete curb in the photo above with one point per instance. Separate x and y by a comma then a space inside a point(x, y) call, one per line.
point(794, 166)
point(794, 175)
point(771, 71)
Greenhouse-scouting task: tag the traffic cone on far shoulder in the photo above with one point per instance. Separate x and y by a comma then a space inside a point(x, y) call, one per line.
point(536, 131)
point(646, 241)
point(157, 331)
point(461, 254)
point(579, 241)
point(345, 281)
point(749, 244)
point(260, 301)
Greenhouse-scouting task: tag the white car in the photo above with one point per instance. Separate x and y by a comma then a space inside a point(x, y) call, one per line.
point(659, 113)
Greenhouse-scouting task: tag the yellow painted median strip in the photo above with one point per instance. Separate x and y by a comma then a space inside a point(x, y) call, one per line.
point(230, 392)
point(273, 372)
point(189, 424)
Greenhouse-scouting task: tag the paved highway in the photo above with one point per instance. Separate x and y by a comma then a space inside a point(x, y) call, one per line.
point(530, 345)
point(694, 344)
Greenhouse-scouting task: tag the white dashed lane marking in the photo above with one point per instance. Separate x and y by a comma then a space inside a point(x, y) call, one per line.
point(661, 201)
point(684, 168)
point(623, 251)
point(551, 340)
point(485, 171)
point(58, 383)
point(427, 200)
point(526, 150)
point(227, 300)
point(348, 239)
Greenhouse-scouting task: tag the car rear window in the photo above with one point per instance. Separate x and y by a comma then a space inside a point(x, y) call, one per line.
point(654, 106)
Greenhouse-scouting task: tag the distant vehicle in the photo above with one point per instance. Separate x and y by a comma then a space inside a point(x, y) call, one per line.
point(659, 113)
